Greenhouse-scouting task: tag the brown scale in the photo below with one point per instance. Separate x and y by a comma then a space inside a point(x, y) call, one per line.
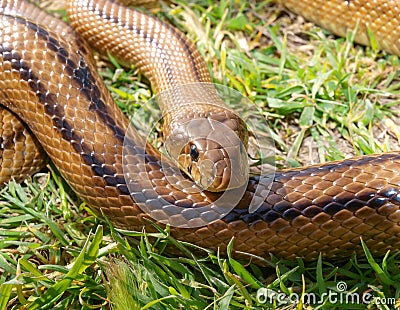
point(20, 153)
point(318, 209)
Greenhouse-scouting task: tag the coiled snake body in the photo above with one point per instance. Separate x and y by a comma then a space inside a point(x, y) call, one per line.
point(48, 80)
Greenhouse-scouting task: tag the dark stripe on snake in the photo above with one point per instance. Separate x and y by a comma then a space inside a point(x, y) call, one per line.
point(284, 209)
point(6, 142)
point(81, 75)
point(49, 102)
point(189, 51)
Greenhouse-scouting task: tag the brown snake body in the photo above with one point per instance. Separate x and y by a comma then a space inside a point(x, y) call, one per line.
point(52, 85)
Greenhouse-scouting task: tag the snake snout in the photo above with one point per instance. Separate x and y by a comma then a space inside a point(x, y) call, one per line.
point(220, 165)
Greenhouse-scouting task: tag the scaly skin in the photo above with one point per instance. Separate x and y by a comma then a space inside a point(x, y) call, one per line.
point(54, 88)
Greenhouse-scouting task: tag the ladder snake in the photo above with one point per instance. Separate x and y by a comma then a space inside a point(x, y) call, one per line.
point(48, 80)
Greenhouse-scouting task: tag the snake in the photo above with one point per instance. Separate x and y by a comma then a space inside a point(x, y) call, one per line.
point(49, 83)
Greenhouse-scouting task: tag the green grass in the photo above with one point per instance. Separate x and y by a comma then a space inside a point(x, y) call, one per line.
point(323, 97)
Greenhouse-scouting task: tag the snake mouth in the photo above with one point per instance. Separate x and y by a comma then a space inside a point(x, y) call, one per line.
point(208, 174)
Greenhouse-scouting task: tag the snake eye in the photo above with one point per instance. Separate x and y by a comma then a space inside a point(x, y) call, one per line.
point(194, 153)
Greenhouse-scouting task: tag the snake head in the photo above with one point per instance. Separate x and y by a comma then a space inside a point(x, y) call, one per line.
point(211, 149)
